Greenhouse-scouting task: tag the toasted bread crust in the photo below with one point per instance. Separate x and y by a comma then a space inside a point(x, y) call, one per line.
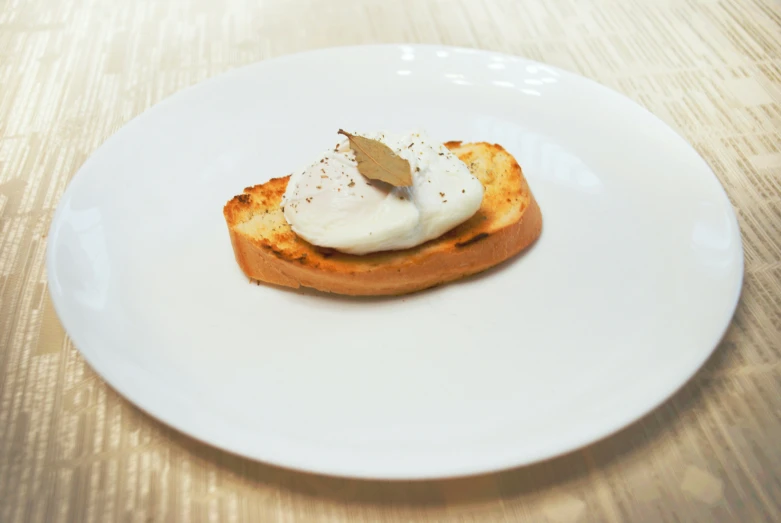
point(509, 220)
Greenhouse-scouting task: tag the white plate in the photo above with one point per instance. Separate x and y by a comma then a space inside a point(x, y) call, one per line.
point(626, 293)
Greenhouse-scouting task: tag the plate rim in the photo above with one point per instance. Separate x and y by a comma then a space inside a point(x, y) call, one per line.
point(591, 437)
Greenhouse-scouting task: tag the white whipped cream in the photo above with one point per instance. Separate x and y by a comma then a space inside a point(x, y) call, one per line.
point(330, 204)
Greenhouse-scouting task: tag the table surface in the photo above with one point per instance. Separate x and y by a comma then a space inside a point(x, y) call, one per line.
point(73, 72)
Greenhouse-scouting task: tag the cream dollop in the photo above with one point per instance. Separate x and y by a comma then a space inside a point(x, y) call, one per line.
point(330, 204)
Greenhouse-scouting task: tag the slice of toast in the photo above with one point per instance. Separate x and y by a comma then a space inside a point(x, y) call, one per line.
point(509, 220)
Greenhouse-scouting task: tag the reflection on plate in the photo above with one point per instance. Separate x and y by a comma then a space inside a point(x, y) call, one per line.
point(626, 293)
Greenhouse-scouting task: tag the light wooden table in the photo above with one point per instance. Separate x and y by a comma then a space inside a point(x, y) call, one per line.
point(73, 71)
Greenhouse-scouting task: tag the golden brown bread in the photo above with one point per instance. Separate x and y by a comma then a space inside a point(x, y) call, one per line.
point(508, 221)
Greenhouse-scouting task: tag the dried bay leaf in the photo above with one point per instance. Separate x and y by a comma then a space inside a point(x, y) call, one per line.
point(377, 161)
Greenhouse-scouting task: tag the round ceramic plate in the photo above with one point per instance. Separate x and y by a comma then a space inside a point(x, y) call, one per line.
point(626, 293)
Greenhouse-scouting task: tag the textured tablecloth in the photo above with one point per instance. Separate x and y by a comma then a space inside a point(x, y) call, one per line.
point(73, 71)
